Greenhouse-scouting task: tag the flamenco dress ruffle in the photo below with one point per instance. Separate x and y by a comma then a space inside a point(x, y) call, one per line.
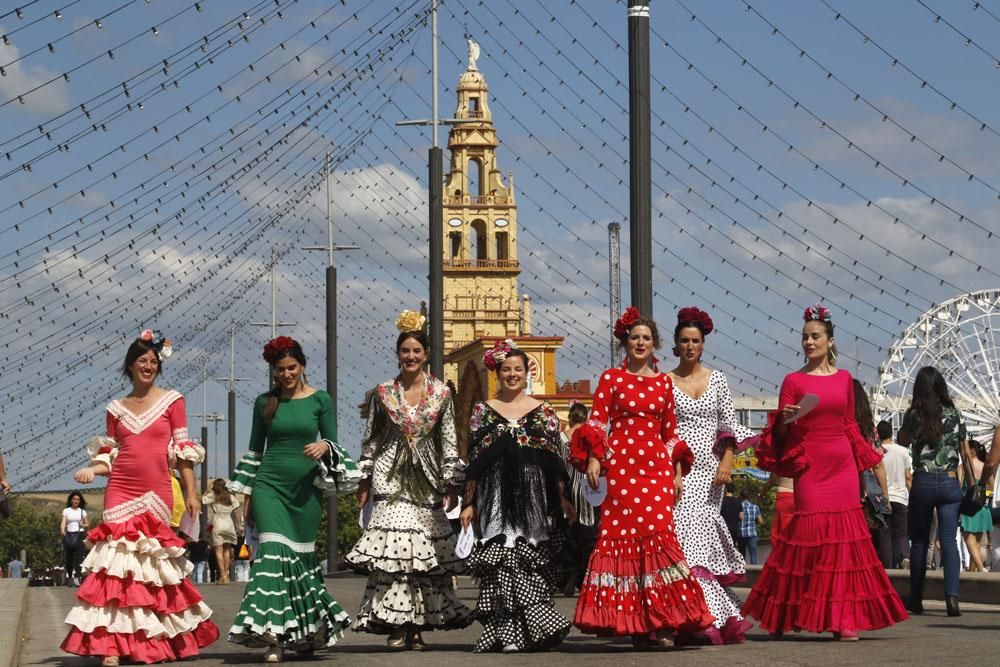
point(136, 602)
point(515, 594)
point(825, 577)
point(409, 570)
point(639, 586)
point(285, 603)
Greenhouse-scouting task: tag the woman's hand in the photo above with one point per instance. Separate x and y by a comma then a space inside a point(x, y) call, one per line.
point(789, 412)
point(724, 475)
point(678, 488)
point(85, 475)
point(467, 515)
point(193, 503)
point(593, 472)
point(364, 487)
point(315, 450)
point(4, 486)
point(247, 514)
point(449, 500)
point(568, 510)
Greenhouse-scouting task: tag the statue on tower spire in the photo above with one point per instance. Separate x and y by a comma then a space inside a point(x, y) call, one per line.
point(473, 55)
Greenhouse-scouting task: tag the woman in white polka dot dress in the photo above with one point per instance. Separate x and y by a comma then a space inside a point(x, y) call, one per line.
point(638, 582)
point(706, 421)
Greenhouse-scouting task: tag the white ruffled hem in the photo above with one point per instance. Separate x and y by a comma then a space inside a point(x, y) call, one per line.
point(129, 620)
point(145, 560)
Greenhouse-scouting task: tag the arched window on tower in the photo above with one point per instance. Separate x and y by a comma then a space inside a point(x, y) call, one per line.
point(479, 230)
point(474, 174)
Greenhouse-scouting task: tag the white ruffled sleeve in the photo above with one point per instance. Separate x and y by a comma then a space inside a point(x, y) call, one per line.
point(182, 448)
point(102, 449)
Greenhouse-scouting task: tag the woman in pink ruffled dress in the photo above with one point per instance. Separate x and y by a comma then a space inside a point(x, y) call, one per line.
point(137, 603)
point(824, 576)
point(706, 421)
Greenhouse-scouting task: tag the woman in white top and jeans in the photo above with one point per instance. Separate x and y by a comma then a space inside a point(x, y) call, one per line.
point(73, 527)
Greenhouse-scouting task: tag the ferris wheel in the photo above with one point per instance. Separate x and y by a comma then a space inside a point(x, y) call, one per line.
point(961, 338)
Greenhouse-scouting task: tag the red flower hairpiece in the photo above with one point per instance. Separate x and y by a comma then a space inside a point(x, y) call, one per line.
point(819, 312)
point(627, 319)
point(698, 316)
point(494, 357)
point(276, 348)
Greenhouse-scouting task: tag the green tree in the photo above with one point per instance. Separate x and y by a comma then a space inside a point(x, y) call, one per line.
point(348, 530)
point(32, 529)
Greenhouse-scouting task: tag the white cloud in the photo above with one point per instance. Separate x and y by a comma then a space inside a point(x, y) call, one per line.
point(20, 78)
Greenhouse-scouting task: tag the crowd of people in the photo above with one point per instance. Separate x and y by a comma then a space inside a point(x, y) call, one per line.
point(632, 504)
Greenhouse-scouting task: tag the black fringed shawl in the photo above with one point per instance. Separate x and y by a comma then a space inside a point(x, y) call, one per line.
point(499, 454)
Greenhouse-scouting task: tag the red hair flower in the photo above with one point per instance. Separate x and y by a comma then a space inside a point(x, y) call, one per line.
point(819, 312)
point(627, 319)
point(699, 317)
point(276, 348)
point(494, 357)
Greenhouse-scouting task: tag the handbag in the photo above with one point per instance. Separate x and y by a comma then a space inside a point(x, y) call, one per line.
point(974, 499)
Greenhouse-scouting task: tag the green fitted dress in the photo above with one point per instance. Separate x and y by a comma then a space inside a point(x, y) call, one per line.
point(285, 602)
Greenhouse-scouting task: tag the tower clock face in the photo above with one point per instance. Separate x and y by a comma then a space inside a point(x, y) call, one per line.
point(455, 222)
point(501, 222)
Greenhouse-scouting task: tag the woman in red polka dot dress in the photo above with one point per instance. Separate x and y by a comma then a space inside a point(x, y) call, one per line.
point(637, 582)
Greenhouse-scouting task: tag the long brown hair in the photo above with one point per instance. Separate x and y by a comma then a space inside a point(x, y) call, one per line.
point(220, 491)
point(930, 397)
point(863, 412)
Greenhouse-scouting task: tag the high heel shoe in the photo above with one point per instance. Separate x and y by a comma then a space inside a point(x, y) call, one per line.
point(951, 604)
point(110, 661)
point(846, 636)
point(272, 655)
point(397, 639)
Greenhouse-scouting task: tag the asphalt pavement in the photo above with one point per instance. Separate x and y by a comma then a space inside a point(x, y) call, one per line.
point(973, 638)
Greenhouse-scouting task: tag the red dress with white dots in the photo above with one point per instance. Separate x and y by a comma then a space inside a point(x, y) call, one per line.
point(637, 581)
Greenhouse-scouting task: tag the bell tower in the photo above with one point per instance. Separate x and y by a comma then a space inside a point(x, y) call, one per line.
point(480, 218)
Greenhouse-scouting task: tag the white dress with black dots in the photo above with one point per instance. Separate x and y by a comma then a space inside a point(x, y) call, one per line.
point(704, 537)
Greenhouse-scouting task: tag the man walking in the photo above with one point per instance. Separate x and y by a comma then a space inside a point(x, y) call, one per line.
point(750, 518)
point(899, 476)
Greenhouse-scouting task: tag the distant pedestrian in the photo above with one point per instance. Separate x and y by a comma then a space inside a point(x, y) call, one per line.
point(15, 569)
point(731, 508)
point(73, 527)
point(222, 508)
point(198, 553)
point(750, 518)
point(899, 478)
point(976, 527)
point(935, 432)
point(874, 489)
point(582, 535)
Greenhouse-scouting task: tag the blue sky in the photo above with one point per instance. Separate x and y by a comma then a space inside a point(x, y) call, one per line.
point(793, 162)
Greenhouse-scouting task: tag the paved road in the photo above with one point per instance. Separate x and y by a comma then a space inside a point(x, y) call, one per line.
point(933, 638)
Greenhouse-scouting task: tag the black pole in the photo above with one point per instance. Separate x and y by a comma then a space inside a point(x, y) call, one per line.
point(640, 181)
point(436, 291)
point(204, 473)
point(331, 388)
point(232, 431)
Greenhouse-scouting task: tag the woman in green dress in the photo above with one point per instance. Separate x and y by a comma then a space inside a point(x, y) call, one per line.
point(286, 605)
point(409, 456)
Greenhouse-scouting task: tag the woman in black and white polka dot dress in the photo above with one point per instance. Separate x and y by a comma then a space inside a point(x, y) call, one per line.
point(409, 457)
point(706, 421)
